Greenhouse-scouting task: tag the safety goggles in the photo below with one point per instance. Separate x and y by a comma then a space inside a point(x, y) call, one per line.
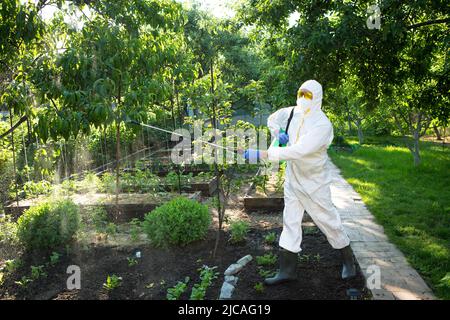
point(302, 93)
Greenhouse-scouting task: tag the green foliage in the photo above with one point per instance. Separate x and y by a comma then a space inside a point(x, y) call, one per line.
point(97, 217)
point(37, 272)
point(32, 189)
point(112, 282)
point(13, 265)
point(270, 238)
point(54, 258)
point(177, 222)
point(111, 229)
point(259, 287)
point(266, 273)
point(24, 281)
point(238, 231)
point(207, 276)
point(135, 229)
point(8, 231)
point(108, 183)
point(173, 181)
point(175, 292)
point(48, 225)
point(268, 259)
point(90, 183)
point(132, 262)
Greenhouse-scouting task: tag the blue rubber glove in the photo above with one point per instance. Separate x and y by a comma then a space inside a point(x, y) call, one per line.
point(252, 155)
point(283, 138)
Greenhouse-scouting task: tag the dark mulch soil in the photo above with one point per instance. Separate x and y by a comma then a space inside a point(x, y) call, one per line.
point(318, 278)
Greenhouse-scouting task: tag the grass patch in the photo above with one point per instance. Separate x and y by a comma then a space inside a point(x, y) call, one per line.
point(412, 203)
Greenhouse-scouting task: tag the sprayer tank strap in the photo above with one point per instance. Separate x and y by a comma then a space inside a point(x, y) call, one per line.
point(289, 119)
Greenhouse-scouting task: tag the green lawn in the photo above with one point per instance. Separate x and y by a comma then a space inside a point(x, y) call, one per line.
point(412, 203)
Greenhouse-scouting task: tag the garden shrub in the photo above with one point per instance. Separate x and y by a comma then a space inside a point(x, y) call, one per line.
point(238, 230)
point(8, 231)
point(48, 225)
point(177, 222)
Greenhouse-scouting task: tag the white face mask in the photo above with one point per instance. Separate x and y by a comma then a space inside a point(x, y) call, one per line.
point(304, 103)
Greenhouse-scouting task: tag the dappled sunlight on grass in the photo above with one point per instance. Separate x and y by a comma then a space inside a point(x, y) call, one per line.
point(412, 203)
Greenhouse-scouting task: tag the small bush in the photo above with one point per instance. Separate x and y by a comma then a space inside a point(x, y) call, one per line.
point(48, 225)
point(239, 230)
point(177, 222)
point(8, 231)
point(96, 217)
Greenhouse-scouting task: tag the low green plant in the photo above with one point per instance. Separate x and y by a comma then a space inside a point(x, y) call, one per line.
point(108, 183)
point(38, 272)
point(48, 225)
point(135, 229)
point(8, 231)
point(34, 189)
point(266, 273)
point(172, 180)
point(111, 229)
point(310, 230)
point(260, 182)
point(304, 258)
point(259, 287)
point(177, 222)
point(175, 292)
point(238, 231)
point(97, 217)
point(12, 265)
point(132, 262)
point(112, 282)
point(91, 182)
point(317, 257)
point(68, 187)
point(54, 258)
point(207, 276)
point(270, 238)
point(24, 281)
point(268, 259)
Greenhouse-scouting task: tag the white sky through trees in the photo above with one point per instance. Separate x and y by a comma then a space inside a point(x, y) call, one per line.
point(218, 8)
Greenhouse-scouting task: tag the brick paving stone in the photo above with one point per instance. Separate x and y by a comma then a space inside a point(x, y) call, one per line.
point(371, 246)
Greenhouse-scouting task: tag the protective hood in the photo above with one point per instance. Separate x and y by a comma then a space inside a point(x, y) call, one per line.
point(316, 103)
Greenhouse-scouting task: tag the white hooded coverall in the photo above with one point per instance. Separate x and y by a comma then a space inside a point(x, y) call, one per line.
point(307, 180)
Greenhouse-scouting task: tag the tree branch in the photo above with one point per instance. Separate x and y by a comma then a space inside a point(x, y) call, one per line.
point(10, 130)
point(427, 23)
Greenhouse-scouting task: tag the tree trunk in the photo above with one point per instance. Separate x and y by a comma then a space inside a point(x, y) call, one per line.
point(117, 164)
point(415, 149)
point(172, 105)
point(14, 156)
point(438, 134)
point(360, 132)
point(220, 206)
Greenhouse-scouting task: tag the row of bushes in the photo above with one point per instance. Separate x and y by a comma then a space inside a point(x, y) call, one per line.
point(52, 225)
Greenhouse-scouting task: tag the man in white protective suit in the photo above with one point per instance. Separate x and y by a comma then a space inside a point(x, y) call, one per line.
point(307, 180)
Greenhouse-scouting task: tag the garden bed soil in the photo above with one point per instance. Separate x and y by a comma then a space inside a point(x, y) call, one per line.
point(160, 269)
point(131, 205)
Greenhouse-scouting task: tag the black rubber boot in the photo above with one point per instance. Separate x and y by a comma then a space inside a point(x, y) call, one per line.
point(288, 268)
point(348, 263)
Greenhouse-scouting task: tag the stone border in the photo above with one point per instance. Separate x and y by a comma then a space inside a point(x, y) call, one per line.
point(231, 279)
point(370, 245)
